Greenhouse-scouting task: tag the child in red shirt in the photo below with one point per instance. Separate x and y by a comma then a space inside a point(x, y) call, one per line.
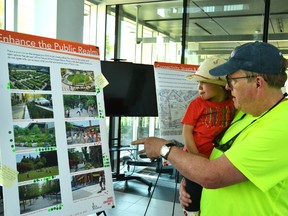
point(206, 116)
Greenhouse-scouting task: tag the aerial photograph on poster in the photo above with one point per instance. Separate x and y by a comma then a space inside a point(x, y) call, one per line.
point(31, 106)
point(31, 135)
point(77, 80)
point(85, 158)
point(78, 132)
point(88, 185)
point(37, 165)
point(29, 77)
point(78, 106)
point(39, 195)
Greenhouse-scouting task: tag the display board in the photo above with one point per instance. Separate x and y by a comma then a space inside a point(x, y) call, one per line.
point(174, 93)
point(54, 147)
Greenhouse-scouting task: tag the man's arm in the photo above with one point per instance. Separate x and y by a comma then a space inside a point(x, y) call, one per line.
point(208, 173)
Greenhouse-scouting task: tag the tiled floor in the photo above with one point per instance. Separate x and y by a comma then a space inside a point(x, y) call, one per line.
point(132, 198)
point(135, 205)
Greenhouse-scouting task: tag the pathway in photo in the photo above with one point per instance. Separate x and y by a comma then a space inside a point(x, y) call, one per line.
point(41, 202)
point(78, 113)
point(86, 192)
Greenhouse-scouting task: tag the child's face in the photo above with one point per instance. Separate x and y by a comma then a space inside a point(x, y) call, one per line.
point(212, 92)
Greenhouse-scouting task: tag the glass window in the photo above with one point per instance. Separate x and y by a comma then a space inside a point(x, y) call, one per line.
point(127, 130)
point(278, 26)
point(89, 27)
point(146, 47)
point(1, 14)
point(26, 16)
point(87, 23)
point(110, 33)
point(133, 128)
point(142, 30)
point(153, 32)
point(217, 27)
point(152, 40)
point(127, 41)
point(139, 42)
point(212, 28)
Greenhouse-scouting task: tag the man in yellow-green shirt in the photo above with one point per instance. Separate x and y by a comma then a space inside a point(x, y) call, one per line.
point(247, 173)
point(261, 161)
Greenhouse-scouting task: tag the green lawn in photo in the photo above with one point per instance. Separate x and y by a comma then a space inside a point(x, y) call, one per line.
point(79, 77)
point(40, 173)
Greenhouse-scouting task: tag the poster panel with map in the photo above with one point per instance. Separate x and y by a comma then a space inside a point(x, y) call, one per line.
point(174, 93)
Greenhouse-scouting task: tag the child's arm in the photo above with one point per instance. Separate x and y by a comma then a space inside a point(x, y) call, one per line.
point(188, 138)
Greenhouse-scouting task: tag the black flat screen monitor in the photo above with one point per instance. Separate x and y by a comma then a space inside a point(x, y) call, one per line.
point(131, 90)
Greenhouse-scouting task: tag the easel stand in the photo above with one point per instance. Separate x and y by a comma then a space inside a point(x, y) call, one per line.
point(175, 192)
point(99, 213)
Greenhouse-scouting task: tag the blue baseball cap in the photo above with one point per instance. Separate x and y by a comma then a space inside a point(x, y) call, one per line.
point(256, 57)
